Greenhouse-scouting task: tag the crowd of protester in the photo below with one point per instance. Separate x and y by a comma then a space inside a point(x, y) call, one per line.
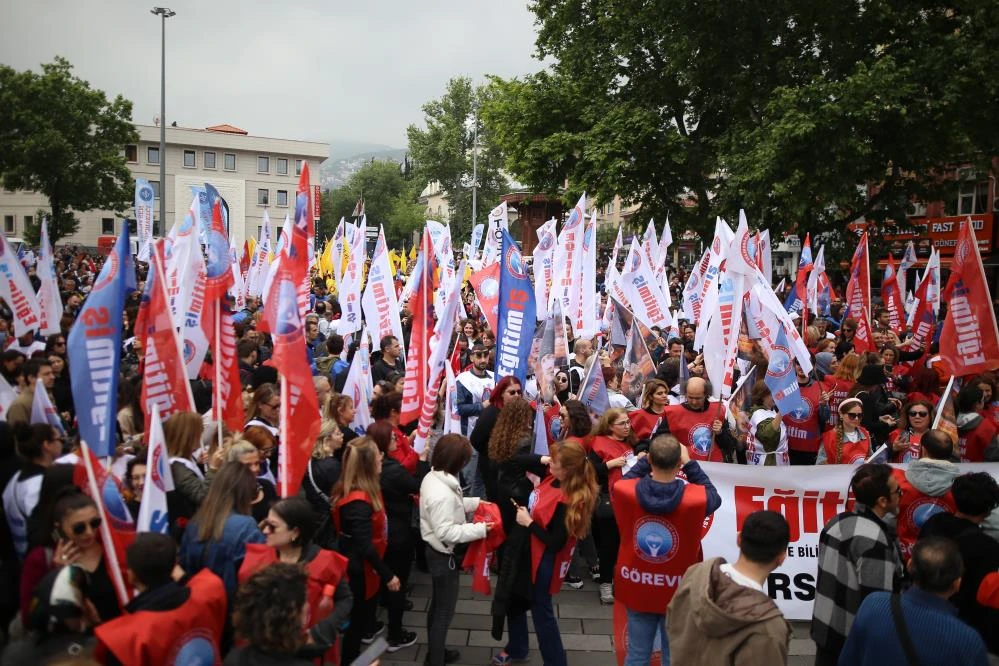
point(260, 579)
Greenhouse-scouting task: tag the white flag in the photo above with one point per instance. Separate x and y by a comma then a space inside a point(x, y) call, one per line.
point(907, 261)
point(544, 267)
point(182, 263)
point(258, 262)
point(381, 309)
point(16, 290)
point(766, 258)
point(586, 317)
point(350, 287)
point(568, 282)
point(49, 301)
point(193, 322)
point(153, 515)
point(358, 387)
point(42, 410)
point(143, 217)
point(639, 287)
point(498, 221)
point(7, 396)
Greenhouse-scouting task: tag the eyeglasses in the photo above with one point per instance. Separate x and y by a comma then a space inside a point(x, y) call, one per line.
point(919, 414)
point(562, 380)
point(622, 423)
point(854, 415)
point(80, 528)
point(273, 405)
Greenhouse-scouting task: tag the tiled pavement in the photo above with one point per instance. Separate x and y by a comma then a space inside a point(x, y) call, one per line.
point(584, 623)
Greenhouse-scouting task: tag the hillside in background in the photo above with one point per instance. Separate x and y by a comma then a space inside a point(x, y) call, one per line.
point(347, 157)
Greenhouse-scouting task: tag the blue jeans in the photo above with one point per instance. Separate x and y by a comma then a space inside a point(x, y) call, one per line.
point(642, 629)
point(545, 624)
point(473, 484)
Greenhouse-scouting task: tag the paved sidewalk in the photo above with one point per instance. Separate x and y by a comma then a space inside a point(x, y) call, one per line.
point(584, 623)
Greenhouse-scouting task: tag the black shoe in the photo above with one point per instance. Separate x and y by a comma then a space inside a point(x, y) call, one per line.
point(403, 640)
point(450, 657)
point(369, 638)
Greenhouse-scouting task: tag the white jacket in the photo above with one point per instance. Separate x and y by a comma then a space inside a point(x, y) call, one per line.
point(443, 519)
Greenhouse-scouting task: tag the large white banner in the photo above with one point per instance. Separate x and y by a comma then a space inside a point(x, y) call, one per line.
point(808, 497)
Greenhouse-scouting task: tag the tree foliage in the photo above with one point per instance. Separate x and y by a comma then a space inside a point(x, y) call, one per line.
point(443, 152)
point(389, 199)
point(66, 140)
point(788, 108)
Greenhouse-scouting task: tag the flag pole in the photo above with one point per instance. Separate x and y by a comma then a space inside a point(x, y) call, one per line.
point(283, 432)
point(217, 362)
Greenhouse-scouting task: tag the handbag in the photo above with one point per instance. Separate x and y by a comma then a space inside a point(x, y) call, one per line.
point(903, 631)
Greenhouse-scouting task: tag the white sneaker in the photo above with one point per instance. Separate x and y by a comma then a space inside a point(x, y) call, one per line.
point(606, 593)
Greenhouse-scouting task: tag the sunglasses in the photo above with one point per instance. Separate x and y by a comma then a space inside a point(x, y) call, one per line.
point(79, 528)
point(514, 392)
point(919, 413)
point(854, 415)
point(273, 406)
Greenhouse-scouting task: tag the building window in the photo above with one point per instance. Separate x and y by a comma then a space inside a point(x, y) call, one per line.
point(262, 197)
point(155, 184)
point(153, 155)
point(298, 167)
point(190, 160)
point(282, 198)
point(972, 198)
point(209, 159)
point(8, 224)
point(229, 162)
point(28, 220)
point(156, 228)
point(263, 164)
point(107, 226)
point(282, 166)
point(131, 153)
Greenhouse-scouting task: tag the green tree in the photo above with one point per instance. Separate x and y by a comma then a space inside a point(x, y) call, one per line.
point(64, 139)
point(389, 199)
point(443, 152)
point(789, 108)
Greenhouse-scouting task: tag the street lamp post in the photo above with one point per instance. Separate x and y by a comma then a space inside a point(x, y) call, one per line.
point(164, 13)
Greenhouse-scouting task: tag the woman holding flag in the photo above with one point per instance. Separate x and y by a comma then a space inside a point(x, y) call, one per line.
point(650, 420)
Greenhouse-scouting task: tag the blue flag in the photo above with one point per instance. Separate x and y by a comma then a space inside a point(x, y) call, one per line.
point(781, 378)
point(94, 347)
point(516, 318)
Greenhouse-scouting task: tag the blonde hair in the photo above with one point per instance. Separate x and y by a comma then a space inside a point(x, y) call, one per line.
point(359, 473)
point(240, 448)
point(579, 485)
point(321, 449)
point(182, 432)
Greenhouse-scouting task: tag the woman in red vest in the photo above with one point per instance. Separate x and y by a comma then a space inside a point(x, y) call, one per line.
point(839, 383)
point(613, 446)
point(289, 528)
point(650, 420)
point(359, 516)
point(904, 440)
point(270, 616)
point(558, 513)
point(848, 443)
point(987, 383)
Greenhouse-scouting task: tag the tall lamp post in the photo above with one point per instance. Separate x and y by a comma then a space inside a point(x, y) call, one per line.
point(164, 13)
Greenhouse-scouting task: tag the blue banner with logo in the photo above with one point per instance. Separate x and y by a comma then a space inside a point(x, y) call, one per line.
point(781, 378)
point(94, 348)
point(517, 313)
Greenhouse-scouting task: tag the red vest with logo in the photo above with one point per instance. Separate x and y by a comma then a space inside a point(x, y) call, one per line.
point(803, 424)
point(644, 423)
point(188, 634)
point(609, 448)
point(325, 571)
point(379, 537)
point(972, 445)
point(839, 389)
point(542, 504)
point(656, 549)
point(853, 452)
point(693, 429)
point(914, 509)
point(912, 451)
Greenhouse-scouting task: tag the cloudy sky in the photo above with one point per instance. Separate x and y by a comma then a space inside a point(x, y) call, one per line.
point(322, 70)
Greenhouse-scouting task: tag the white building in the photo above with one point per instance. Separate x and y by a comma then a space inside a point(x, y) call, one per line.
point(252, 173)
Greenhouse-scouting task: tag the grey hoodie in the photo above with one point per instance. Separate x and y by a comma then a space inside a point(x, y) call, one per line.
point(932, 477)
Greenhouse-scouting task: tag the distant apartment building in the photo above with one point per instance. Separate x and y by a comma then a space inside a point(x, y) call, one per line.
point(252, 173)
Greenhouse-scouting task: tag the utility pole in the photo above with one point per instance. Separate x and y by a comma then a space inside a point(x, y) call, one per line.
point(475, 161)
point(164, 13)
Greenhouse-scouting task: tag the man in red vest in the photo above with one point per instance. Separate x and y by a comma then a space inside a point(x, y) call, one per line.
point(167, 623)
point(976, 436)
point(699, 425)
point(925, 486)
point(660, 518)
point(805, 424)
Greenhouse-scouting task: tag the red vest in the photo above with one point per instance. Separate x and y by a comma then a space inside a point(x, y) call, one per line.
point(609, 448)
point(324, 570)
point(693, 429)
point(379, 538)
point(655, 550)
point(644, 423)
point(839, 388)
point(853, 452)
point(542, 504)
point(189, 634)
point(972, 445)
point(914, 509)
point(914, 449)
point(803, 424)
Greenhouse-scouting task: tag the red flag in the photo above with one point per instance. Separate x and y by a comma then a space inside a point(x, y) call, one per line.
point(969, 342)
point(164, 380)
point(421, 304)
point(117, 528)
point(486, 285)
point(891, 296)
point(858, 297)
point(298, 246)
point(228, 390)
point(244, 260)
point(299, 405)
point(218, 269)
point(924, 319)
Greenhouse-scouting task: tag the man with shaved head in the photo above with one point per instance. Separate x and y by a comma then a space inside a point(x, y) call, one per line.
point(697, 424)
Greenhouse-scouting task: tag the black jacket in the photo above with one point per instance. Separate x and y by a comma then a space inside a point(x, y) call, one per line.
point(398, 488)
point(355, 541)
point(479, 437)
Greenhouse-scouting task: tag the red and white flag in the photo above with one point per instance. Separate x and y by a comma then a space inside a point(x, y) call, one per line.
point(969, 341)
point(16, 290)
point(164, 378)
point(586, 316)
point(891, 296)
point(227, 388)
point(641, 290)
point(568, 284)
point(381, 309)
point(858, 297)
point(421, 305)
point(299, 405)
point(922, 316)
point(544, 266)
point(49, 300)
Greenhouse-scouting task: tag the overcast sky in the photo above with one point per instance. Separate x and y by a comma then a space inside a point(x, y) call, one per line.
point(309, 69)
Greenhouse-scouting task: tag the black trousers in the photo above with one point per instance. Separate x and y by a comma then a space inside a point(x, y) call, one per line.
point(399, 558)
point(362, 618)
point(608, 540)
